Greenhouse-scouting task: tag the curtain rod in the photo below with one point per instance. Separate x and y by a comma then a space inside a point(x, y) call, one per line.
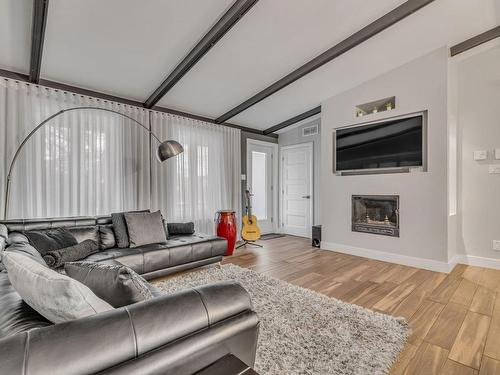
point(146, 110)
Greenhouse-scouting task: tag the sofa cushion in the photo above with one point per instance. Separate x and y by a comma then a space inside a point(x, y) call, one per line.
point(52, 239)
point(145, 228)
point(132, 258)
point(155, 257)
point(116, 284)
point(57, 258)
point(55, 296)
point(107, 238)
point(120, 228)
point(218, 244)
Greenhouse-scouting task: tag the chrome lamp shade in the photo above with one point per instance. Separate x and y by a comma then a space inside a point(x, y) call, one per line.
point(168, 149)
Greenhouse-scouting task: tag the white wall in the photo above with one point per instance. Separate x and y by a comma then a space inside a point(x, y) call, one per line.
point(293, 137)
point(418, 85)
point(479, 129)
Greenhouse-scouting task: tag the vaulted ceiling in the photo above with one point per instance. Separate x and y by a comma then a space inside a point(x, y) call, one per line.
point(127, 48)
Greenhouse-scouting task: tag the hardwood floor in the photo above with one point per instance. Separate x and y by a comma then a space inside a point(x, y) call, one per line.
point(455, 317)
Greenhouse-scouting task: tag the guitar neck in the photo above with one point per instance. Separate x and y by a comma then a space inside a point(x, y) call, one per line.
point(249, 204)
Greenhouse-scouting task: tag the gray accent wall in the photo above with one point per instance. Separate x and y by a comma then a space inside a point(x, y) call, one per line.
point(419, 85)
point(294, 136)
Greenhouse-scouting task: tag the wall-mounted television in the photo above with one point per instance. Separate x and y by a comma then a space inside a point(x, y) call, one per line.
point(395, 144)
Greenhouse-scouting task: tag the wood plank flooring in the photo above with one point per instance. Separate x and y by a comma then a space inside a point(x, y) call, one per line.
point(455, 317)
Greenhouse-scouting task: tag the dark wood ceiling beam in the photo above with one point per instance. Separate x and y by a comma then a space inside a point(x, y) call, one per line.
point(475, 41)
point(389, 19)
point(293, 120)
point(226, 22)
point(38, 23)
point(102, 96)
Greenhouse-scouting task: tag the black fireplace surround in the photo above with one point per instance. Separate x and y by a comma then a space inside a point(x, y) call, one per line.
point(375, 214)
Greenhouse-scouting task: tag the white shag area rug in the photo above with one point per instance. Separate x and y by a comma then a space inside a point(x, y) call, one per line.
point(304, 332)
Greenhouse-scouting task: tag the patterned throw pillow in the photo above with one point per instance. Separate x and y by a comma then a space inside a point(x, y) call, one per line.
point(57, 258)
point(51, 239)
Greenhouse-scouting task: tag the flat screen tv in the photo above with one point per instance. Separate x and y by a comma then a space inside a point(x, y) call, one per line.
point(391, 144)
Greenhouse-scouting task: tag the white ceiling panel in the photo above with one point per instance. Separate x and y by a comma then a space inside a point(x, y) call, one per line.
point(15, 35)
point(442, 23)
point(272, 39)
point(123, 47)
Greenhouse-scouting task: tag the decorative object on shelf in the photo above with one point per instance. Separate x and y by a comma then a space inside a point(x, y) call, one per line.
point(166, 149)
point(226, 227)
point(381, 105)
point(250, 232)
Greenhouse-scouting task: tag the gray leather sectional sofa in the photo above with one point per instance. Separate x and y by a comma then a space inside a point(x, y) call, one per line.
point(179, 253)
point(181, 333)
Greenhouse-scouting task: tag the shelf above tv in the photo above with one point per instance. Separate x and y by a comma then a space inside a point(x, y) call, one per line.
point(381, 105)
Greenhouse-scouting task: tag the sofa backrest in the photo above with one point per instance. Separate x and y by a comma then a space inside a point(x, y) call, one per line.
point(37, 224)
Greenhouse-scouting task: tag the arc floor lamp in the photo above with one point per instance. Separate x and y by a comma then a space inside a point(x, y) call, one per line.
point(165, 150)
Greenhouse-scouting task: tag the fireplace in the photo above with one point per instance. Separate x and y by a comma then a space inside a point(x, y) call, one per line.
point(376, 214)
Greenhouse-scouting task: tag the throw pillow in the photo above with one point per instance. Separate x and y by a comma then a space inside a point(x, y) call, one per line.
point(165, 227)
point(120, 228)
point(57, 297)
point(116, 284)
point(57, 258)
point(3, 242)
point(52, 239)
point(106, 237)
point(24, 248)
point(180, 228)
point(145, 228)
point(83, 233)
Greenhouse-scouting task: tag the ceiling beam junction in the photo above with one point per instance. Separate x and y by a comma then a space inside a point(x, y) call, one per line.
point(293, 120)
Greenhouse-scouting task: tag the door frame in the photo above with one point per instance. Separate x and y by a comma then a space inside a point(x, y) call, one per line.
point(310, 146)
point(275, 180)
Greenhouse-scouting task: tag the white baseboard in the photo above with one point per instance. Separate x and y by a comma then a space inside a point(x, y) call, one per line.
point(428, 264)
point(473, 260)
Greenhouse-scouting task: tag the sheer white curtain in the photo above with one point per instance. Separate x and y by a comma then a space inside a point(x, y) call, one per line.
point(203, 179)
point(80, 163)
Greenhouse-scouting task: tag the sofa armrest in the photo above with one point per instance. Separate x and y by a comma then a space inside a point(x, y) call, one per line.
point(99, 342)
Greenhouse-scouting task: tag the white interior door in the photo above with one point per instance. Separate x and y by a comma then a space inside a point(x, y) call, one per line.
point(261, 176)
point(296, 189)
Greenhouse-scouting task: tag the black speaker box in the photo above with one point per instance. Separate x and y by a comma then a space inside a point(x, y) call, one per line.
point(316, 235)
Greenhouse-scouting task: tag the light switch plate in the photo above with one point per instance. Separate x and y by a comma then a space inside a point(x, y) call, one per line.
point(243, 177)
point(496, 245)
point(494, 169)
point(497, 153)
point(480, 155)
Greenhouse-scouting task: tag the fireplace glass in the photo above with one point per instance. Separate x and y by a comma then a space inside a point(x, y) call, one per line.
point(376, 214)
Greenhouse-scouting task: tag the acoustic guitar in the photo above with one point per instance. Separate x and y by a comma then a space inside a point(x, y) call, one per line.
point(250, 231)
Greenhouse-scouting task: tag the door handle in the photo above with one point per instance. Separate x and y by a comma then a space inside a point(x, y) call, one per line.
point(306, 196)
